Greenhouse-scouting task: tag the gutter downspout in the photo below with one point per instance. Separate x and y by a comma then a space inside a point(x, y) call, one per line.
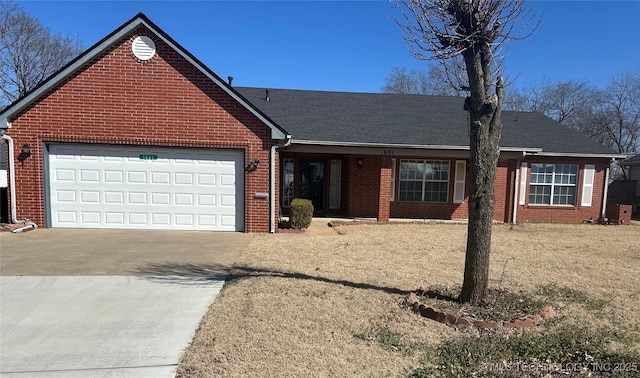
point(12, 188)
point(516, 194)
point(272, 183)
point(606, 191)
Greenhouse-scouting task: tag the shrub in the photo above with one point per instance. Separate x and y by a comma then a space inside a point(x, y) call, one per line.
point(301, 213)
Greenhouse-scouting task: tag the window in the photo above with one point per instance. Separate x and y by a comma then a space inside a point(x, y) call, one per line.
point(553, 184)
point(424, 180)
point(287, 183)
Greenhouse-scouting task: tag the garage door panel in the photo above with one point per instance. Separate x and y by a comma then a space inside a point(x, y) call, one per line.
point(114, 197)
point(136, 177)
point(89, 196)
point(65, 175)
point(145, 188)
point(91, 217)
point(206, 200)
point(183, 199)
point(66, 196)
point(160, 177)
point(115, 177)
point(114, 219)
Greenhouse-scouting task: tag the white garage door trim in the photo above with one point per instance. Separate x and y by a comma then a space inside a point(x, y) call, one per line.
point(132, 187)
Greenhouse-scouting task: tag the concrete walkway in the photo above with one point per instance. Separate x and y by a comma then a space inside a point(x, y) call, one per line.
point(98, 326)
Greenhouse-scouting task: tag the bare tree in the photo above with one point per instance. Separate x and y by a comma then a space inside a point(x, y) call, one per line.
point(29, 52)
point(561, 100)
point(399, 81)
point(471, 31)
point(610, 116)
point(616, 116)
point(434, 82)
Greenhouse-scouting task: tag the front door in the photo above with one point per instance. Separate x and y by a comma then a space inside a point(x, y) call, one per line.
point(313, 184)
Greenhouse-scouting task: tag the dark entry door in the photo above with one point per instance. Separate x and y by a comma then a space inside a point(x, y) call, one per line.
point(313, 184)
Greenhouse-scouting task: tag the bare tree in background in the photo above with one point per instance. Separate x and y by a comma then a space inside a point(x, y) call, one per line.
point(561, 100)
point(470, 32)
point(616, 117)
point(434, 82)
point(29, 52)
point(610, 116)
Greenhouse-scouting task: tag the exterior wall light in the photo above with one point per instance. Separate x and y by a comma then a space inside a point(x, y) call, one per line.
point(252, 166)
point(26, 150)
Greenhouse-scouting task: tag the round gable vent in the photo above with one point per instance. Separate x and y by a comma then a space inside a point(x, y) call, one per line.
point(143, 48)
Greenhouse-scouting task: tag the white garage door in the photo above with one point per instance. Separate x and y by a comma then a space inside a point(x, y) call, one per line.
point(94, 186)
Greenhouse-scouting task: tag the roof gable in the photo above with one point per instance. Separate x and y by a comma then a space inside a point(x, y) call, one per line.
point(78, 63)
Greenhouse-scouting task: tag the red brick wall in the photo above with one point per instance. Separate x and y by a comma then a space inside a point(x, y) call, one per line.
point(429, 210)
point(163, 102)
point(364, 186)
point(384, 207)
point(566, 214)
point(504, 184)
point(361, 188)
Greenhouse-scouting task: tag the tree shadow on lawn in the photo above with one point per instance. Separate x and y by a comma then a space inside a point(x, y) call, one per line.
point(197, 274)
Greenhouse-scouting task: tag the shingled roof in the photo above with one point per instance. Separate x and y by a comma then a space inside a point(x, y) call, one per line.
point(411, 120)
point(633, 160)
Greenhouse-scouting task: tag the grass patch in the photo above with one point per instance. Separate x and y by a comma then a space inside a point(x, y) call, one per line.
point(562, 349)
point(392, 341)
point(557, 293)
point(302, 305)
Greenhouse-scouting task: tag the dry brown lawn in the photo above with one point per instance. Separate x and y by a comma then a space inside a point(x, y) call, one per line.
point(298, 304)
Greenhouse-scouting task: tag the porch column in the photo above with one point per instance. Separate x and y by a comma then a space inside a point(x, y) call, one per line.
point(384, 196)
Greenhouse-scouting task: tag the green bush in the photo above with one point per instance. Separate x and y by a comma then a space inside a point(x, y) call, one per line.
point(300, 213)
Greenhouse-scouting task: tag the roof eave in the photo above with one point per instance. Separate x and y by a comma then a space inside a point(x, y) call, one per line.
point(5, 119)
point(582, 155)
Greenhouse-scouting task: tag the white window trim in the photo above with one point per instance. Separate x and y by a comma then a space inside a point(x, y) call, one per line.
point(459, 182)
point(587, 185)
point(554, 185)
point(392, 197)
point(424, 181)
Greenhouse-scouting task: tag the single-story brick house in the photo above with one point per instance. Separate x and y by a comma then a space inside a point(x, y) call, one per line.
point(138, 133)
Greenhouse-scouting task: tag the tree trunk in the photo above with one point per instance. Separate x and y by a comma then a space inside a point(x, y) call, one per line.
point(485, 129)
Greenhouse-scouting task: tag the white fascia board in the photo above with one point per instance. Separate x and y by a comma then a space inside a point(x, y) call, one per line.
point(581, 155)
point(276, 133)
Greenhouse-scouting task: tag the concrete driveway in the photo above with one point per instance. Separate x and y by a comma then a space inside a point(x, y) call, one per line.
point(106, 303)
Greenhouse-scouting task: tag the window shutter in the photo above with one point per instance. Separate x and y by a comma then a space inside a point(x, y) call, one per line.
point(587, 185)
point(393, 180)
point(458, 188)
point(334, 183)
point(523, 184)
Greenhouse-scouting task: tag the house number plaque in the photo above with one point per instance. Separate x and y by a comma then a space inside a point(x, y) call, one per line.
point(148, 157)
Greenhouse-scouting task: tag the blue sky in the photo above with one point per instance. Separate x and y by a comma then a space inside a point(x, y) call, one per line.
point(352, 45)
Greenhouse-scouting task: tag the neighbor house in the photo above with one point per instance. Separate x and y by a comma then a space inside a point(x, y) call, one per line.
point(138, 133)
point(633, 172)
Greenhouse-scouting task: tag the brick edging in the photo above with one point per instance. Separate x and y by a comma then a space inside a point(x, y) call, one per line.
point(451, 320)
